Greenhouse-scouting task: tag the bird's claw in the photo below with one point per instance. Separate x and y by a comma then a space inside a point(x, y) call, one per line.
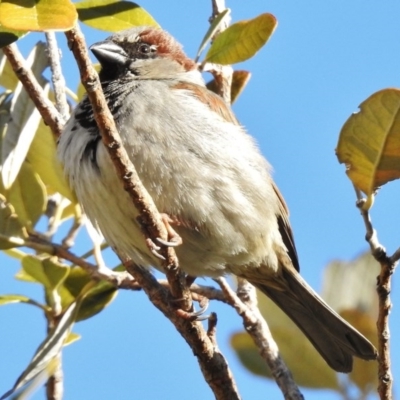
point(174, 239)
point(194, 315)
point(173, 242)
point(154, 249)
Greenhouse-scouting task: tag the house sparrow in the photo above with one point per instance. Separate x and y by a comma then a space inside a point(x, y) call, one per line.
point(205, 172)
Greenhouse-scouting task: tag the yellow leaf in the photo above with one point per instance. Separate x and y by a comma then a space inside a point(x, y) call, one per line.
point(28, 196)
point(350, 288)
point(352, 285)
point(241, 40)
point(33, 15)
point(364, 373)
point(42, 156)
point(369, 142)
point(10, 227)
point(112, 15)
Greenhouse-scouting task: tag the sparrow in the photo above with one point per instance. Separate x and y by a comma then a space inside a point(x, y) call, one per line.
point(205, 172)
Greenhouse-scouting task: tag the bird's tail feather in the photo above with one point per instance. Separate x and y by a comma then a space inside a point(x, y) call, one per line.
point(334, 338)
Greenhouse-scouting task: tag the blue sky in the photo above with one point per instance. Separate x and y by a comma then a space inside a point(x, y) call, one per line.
point(323, 60)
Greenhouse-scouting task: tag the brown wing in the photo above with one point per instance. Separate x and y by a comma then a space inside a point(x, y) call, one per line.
point(212, 100)
point(218, 105)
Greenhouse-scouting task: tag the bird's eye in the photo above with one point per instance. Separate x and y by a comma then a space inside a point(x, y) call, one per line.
point(146, 48)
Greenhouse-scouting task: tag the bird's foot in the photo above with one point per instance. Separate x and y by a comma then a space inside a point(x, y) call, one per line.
point(174, 239)
point(196, 315)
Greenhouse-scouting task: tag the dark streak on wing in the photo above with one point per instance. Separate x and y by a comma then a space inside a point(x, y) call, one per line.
point(285, 229)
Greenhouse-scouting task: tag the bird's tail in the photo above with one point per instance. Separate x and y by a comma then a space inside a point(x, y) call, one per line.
point(334, 338)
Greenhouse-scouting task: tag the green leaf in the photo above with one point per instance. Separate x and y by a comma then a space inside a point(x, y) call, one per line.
point(33, 15)
point(48, 350)
point(75, 282)
point(11, 230)
point(96, 300)
point(15, 253)
point(8, 36)
point(46, 271)
point(13, 298)
point(369, 142)
point(16, 298)
point(28, 196)
point(112, 15)
point(241, 40)
point(23, 276)
point(24, 121)
point(216, 23)
point(43, 158)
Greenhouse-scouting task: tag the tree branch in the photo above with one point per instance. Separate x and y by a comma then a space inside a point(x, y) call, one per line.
point(57, 77)
point(212, 363)
point(245, 303)
point(388, 265)
point(119, 279)
point(49, 113)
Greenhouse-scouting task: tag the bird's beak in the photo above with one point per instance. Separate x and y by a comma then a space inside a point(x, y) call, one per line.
point(109, 53)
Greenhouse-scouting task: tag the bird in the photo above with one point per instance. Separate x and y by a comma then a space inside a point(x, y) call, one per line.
point(204, 172)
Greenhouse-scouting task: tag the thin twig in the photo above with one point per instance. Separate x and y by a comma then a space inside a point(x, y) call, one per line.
point(245, 303)
point(222, 73)
point(55, 382)
point(388, 265)
point(78, 221)
point(54, 385)
point(56, 75)
point(49, 113)
point(119, 279)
